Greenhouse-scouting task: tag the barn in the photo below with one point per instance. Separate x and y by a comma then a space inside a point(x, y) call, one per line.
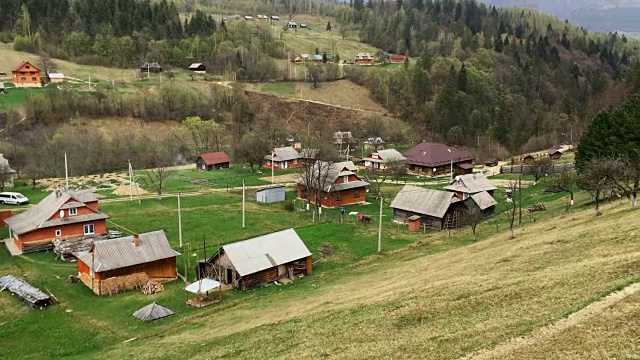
point(435, 159)
point(270, 194)
point(466, 185)
point(212, 161)
point(255, 262)
point(436, 209)
point(125, 263)
point(554, 154)
point(198, 68)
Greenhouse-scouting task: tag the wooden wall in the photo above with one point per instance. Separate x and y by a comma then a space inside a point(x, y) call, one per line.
point(43, 237)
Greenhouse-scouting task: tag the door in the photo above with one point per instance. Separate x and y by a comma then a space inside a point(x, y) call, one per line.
point(282, 270)
point(229, 276)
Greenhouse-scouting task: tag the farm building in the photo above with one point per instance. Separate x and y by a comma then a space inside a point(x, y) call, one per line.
point(270, 194)
point(301, 59)
point(125, 263)
point(7, 171)
point(374, 143)
point(466, 185)
point(528, 159)
point(212, 161)
point(56, 77)
point(275, 18)
point(485, 202)
point(251, 263)
point(61, 215)
point(364, 59)
point(2, 88)
point(339, 184)
point(434, 159)
point(554, 154)
point(198, 68)
point(303, 26)
point(26, 75)
point(283, 158)
point(292, 24)
point(396, 59)
point(153, 67)
point(380, 160)
point(261, 17)
point(294, 141)
point(248, 17)
point(438, 210)
point(343, 138)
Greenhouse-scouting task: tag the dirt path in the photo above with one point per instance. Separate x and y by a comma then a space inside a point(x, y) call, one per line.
point(548, 332)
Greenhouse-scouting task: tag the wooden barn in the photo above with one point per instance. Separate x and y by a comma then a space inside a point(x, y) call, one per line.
point(433, 159)
point(381, 160)
point(125, 263)
point(340, 184)
point(153, 67)
point(283, 158)
point(26, 75)
point(255, 262)
point(61, 215)
point(364, 59)
point(554, 154)
point(528, 159)
point(466, 185)
point(438, 210)
point(212, 161)
point(198, 68)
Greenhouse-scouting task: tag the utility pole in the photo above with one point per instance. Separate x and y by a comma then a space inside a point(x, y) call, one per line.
point(244, 206)
point(520, 200)
point(179, 220)
point(66, 171)
point(130, 182)
point(272, 166)
point(380, 228)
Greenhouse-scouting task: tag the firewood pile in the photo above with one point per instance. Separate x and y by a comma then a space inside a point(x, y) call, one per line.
point(537, 207)
point(152, 287)
point(66, 248)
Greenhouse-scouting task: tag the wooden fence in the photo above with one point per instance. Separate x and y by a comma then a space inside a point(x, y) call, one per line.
point(528, 169)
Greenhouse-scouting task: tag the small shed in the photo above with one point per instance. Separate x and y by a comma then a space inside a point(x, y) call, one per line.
point(212, 161)
point(198, 67)
point(2, 88)
point(153, 67)
point(414, 223)
point(275, 18)
point(554, 154)
point(395, 59)
point(528, 159)
point(271, 194)
point(56, 77)
point(153, 311)
point(292, 24)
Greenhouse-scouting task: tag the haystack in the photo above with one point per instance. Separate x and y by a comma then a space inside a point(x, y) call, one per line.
point(124, 189)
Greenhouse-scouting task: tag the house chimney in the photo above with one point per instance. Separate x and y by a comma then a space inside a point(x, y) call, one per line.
point(136, 240)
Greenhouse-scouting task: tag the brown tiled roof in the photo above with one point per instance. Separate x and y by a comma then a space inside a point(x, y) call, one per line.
point(217, 157)
point(433, 154)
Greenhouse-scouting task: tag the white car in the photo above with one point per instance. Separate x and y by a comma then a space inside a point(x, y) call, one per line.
point(13, 198)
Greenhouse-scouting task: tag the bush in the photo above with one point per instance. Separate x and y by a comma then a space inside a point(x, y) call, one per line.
point(288, 205)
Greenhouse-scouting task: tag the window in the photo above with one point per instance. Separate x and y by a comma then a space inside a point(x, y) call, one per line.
point(345, 178)
point(33, 79)
point(337, 196)
point(73, 211)
point(356, 192)
point(58, 232)
point(23, 79)
point(295, 161)
point(89, 229)
point(27, 67)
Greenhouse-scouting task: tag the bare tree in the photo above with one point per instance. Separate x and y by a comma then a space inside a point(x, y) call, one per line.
point(34, 173)
point(376, 176)
point(158, 177)
point(626, 175)
point(251, 149)
point(566, 181)
point(541, 168)
point(6, 176)
point(599, 179)
point(314, 175)
point(473, 216)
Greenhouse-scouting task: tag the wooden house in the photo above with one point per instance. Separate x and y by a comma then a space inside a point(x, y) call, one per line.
point(56, 77)
point(396, 59)
point(61, 215)
point(283, 158)
point(554, 154)
point(528, 159)
point(292, 24)
point(466, 185)
point(436, 209)
point(338, 184)
point(434, 159)
point(380, 160)
point(364, 59)
point(198, 68)
point(151, 67)
point(274, 18)
point(212, 161)
point(26, 75)
point(125, 263)
point(255, 262)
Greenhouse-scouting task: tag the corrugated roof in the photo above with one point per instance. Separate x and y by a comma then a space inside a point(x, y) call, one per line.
point(471, 184)
point(423, 201)
point(216, 157)
point(152, 312)
point(264, 252)
point(283, 154)
point(484, 200)
point(334, 171)
point(38, 216)
point(121, 252)
point(58, 221)
point(388, 155)
point(202, 286)
point(56, 76)
point(433, 154)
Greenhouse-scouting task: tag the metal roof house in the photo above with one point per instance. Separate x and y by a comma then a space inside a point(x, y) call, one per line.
point(212, 161)
point(198, 68)
point(283, 158)
point(381, 159)
point(121, 264)
point(251, 263)
point(437, 209)
point(466, 185)
point(434, 159)
point(338, 183)
point(270, 194)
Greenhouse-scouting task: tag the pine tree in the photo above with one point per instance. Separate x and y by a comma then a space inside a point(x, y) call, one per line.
point(329, 26)
point(462, 79)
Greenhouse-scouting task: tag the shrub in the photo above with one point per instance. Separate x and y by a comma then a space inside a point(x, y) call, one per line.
point(288, 205)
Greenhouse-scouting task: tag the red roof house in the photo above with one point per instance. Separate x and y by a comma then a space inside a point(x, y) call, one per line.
point(436, 159)
point(396, 59)
point(212, 161)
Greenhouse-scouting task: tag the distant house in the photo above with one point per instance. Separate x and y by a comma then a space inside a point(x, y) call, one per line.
point(294, 141)
point(308, 154)
point(270, 194)
point(317, 59)
point(275, 18)
point(301, 59)
point(151, 67)
point(26, 75)
point(343, 138)
point(2, 88)
point(198, 67)
point(261, 260)
point(303, 26)
point(375, 143)
point(7, 172)
point(125, 263)
point(364, 59)
point(292, 24)
point(337, 182)
point(283, 158)
point(434, 159)
point(466, 185)
point(396, 59)
point(554, 154)
point(528, 159)
point(248, 17)
point(56, 77)
point(491, 162)
point(262, 17)
point(381, 159)
point(436, 209)
point(212, 161)
point(62, 214)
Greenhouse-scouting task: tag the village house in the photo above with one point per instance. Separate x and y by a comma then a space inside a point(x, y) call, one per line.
point(56, 77)
point(364, 59)
point(554, 154)
point(381, 160)
point(248, 17)
point(466, 185)
point(6, 172)
point(338, 184)
point(125, 263)
point(283, 158)
point(275, 18)
point(255, 262)
point(212, 161)
point(434, 159)
point(292, 24)
point(26, 75)
point(294, 141)
point(61, 215)
point(343, 138)
point(153, 67)
point(261, 17)
point(301, 59)
point(436, 209)
point(528, 159)
point(396, 59)
point(374, 143)
point(198, 68)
